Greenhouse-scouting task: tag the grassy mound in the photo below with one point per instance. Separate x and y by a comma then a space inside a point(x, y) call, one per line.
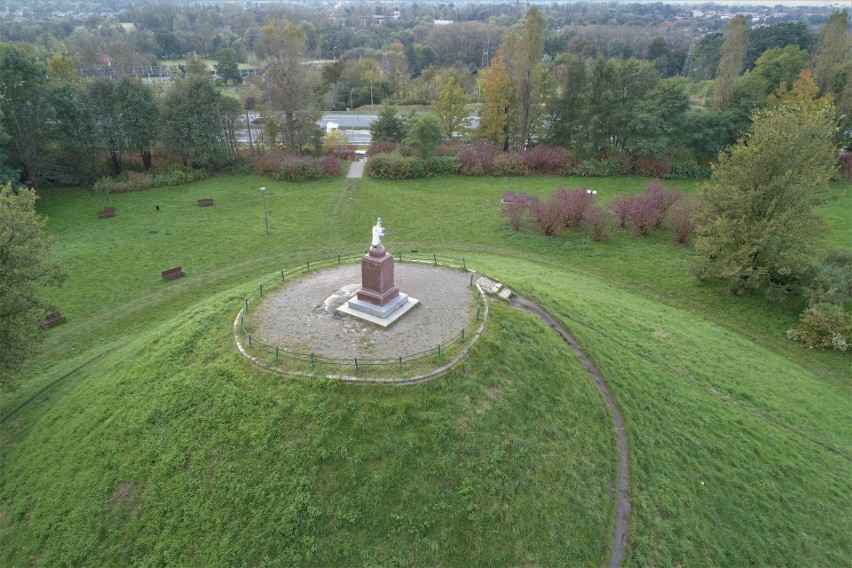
point(177, 451)
point(158, 444)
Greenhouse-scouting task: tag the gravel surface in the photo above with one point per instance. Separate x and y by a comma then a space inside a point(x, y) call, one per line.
point(299, 316)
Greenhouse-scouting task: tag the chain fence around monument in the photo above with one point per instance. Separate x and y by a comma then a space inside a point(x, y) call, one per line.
point(357, 363)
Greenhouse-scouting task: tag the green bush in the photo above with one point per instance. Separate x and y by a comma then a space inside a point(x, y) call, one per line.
point(444, 166)
point(831, 281)
point(136, 181)
point(599, 168)
point(393, 165)
point(688, 170)
point(826, 326)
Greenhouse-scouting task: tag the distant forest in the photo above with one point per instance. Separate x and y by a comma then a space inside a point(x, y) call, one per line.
point(90, 88)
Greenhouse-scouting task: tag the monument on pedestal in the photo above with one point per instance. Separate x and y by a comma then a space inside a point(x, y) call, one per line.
point(379, 299)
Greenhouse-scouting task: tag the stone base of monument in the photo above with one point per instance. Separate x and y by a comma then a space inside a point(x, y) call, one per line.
point(379, 315)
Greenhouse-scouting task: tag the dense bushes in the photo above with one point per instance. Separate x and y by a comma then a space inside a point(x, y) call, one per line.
point(578, 209)
point(396, 165)
point(293, 167)
point(137, 181)
point(483, 159)
point(826, 323)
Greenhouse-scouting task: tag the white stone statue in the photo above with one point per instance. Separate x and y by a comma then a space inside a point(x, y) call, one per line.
point(378, 233)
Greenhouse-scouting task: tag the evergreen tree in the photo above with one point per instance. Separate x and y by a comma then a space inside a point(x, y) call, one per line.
point(388, 125)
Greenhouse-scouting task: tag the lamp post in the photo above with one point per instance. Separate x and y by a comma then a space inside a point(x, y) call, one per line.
point(265, 218)
point(591, 193)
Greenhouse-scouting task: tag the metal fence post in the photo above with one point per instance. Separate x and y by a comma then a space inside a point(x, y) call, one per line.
point(399, 254)
point(246, 305)
point(435, 258)
point(439, 352)
point(261, 289)
point(338, 258)
point(471, 280)
point(312, 360)
point(462, 334)
point(464, 264)
point(356, 365)
point(276, 352)
point(282, 274)
point(249, 336)
point(308, 262)
point(400, 361)
point(477, 313)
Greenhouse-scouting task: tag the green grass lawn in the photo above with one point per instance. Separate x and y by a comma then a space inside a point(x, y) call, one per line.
point(166, 447)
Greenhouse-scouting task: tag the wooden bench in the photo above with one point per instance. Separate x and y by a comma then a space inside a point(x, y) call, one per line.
point(522, 198)
point(52, 319)
point(173, 273)
point(508, 197)
point(206, 202)
point(108, 212)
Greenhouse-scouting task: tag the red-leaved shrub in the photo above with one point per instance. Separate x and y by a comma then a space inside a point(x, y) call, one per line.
point(575, 206)
point(549, 216)
point(514, 212)
point(621, 208)
point(550, 160)
point(682, 220)
point(330, 166)
point(478, 159)
point(651, 167)
point(596, 221)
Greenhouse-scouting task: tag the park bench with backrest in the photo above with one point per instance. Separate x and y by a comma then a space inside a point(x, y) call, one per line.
point(52, 319)
point(206, 202)
point(508, 197)
point(173, 273)
point(108, 212)
point(522, 198)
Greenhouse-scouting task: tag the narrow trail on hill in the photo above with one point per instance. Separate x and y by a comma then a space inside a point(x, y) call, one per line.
point(622, 505)
point(55, 383)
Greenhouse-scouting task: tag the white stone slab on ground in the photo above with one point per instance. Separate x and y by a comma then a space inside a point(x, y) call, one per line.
point(489, 285)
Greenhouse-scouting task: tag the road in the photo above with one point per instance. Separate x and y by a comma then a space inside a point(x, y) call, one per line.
point(356, 126)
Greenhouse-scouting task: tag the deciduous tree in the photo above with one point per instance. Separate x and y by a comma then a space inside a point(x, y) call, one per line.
point(833, 47)
point(451, 108)
point(756, 228)
point(24, 270)
point(494, 112)
point(731, 62)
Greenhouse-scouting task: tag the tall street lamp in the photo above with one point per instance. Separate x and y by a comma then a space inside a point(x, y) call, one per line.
point(591, 194)
point(265, 218)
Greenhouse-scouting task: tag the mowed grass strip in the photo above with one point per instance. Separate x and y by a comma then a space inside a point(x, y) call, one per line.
point(179, 452)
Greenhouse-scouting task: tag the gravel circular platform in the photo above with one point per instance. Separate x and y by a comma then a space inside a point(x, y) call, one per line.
point(300, 316)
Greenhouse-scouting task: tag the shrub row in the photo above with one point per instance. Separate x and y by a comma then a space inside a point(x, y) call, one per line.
point(396, 165)
point(137, 181)
point(293, 167)
point(577, 209)
point(483, 159)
